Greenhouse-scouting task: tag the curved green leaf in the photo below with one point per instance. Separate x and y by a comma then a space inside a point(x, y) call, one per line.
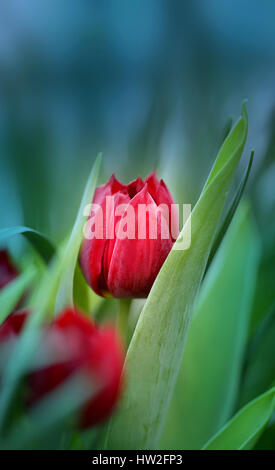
point(230, 214)
point(39, 241)
point(155, 352)
point(208, 382)
point(232, 145)
point(260, 364)
point(244, 429)
point(264, 303)
point(267, 439)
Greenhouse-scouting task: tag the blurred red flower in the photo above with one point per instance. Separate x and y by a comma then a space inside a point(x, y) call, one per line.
point(76, 345)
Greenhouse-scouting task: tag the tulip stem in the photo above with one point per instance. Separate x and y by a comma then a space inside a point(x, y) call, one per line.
point(122, 318)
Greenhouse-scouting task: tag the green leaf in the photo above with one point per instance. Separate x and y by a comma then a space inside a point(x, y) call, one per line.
point(85, 298)
point(208, 382)
point(65, 292)
point(264, 303)
point(13, 292)
point(244, 429)
point(155, 352)
point(230, 214)
point(226, 129)
point(232, 146)
point(41, 303)
point(267, 439)
point(39, 241)
point(260, 364)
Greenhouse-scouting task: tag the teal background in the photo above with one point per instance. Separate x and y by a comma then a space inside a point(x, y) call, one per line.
point(150, 83)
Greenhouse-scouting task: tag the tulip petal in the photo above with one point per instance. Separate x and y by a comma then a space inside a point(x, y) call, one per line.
point(136, 262)
point(111, 187)
point(96, 252)
point(152, 185)
point(162, 195)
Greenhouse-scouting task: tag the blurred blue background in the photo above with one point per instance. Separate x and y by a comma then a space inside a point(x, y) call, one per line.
point(150, 83)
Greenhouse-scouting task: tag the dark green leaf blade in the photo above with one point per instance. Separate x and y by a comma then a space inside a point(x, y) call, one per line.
point(231, 211)
point(210, 373)
point(155, 352)
point(39, 241)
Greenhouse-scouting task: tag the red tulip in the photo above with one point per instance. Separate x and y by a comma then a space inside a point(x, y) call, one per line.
point(127, 266)
point(8, 272)
point(80, 346)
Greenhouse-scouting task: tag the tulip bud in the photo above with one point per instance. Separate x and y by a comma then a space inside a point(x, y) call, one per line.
point(124, 263)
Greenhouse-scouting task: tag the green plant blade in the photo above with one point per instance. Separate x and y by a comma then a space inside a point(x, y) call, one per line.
point(41, 303)
point(226, 129)
point(13, 292)
point(233, 144)
point(243, 430)
point(65, 291)
point(264, 304)
point(267, 439)
point(230, 214)
point(39, 241)
point(210, 372)
point(260, 364)
point(155, 352)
